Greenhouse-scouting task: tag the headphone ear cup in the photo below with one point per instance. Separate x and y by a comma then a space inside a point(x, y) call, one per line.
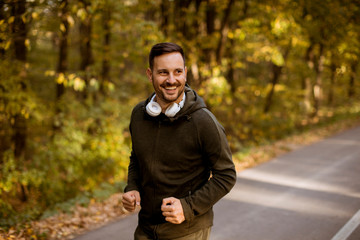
point(153, 109)
point(172, 110)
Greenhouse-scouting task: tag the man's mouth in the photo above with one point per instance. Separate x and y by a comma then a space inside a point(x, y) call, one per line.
point(170, 87)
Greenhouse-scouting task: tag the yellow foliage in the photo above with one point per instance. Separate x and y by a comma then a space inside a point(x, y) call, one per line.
point(71, 76)
point(81, 13)
point(25, 113)
point(277, 58)
point(239, 64)
point(62, 27)
point(280, 87)
point(240, 34)
point(61, 79)
point(50, 73)
point(79, 84)
point(8, 44)
point(11, 19)
point(280, 25)
point(27, 44)
point(35, 15)
point(23, 18)
point(94, 83)
point(70, 21)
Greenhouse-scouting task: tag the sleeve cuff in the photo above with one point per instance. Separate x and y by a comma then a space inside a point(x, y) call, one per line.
point(130, 188)
point(186, 209)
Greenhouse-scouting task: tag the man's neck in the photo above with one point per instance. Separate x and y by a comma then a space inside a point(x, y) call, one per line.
point(165, 105)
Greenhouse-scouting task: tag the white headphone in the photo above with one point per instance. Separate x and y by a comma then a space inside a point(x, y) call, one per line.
point(154, 109)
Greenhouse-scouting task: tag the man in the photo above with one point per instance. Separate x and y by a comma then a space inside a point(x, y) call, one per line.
point(180, 164)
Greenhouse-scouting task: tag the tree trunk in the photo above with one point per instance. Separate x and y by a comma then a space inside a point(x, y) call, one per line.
point(276, 70)
point(2, 17)
point(164, 22)
point(62, 61)
point(223, 31)
point(230, 69)
point(63, 46)
point(210, 17)
point(85, 44)
point(351, 90)
point(105, 71)
point(317, 89)
point(19, 31)
point(332, 82)
point(196, 22)
point(306, 83)
point(194, 77)
point(151, 10)
point(180, 13)
point(210, 29)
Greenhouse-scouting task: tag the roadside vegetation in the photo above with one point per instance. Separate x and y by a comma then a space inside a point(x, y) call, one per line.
point(277, 74)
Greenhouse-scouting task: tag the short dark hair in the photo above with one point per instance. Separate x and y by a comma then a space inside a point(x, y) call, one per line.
point(163, 48)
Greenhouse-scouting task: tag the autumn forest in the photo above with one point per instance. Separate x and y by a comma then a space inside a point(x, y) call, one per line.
point(72, 70)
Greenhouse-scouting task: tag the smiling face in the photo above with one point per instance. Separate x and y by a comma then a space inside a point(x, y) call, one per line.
point(168, 77)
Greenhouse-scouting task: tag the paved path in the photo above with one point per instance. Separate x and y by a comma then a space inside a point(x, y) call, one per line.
point(310, 193)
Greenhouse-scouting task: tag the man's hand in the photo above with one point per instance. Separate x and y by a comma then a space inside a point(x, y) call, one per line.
point(130, 200)
point(173, 210)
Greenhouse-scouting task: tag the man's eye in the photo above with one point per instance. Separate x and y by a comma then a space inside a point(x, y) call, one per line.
point(162, 73)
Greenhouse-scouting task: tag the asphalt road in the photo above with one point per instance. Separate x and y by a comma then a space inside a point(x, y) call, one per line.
point(310, 193)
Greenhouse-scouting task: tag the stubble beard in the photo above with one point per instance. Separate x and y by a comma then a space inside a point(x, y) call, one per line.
point(163, 97)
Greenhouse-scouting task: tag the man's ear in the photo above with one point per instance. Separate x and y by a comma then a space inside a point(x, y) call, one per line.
point(149, 74)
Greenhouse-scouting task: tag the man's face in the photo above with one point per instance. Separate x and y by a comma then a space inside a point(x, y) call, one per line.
point(168, 77)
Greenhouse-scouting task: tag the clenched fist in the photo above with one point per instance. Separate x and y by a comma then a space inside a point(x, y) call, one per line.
point(130, 200)
point(173, 210)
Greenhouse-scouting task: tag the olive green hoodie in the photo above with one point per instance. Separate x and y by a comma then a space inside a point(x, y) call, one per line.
point(186, 157)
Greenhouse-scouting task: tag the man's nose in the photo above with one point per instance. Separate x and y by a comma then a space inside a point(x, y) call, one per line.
point(171, 79)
